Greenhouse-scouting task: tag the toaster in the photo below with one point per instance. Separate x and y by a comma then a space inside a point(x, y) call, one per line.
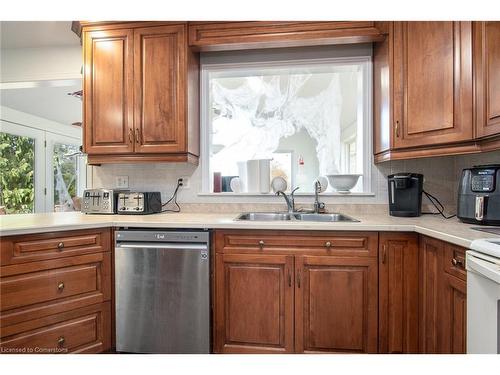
point(139, 203)
point(99, 201)
point(479, 195)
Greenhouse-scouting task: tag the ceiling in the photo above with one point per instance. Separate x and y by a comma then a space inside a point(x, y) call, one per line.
point(35, 34)
point(52, 103)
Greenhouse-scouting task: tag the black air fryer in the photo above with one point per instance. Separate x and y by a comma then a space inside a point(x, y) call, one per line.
point(479, 195)
point(405, 194)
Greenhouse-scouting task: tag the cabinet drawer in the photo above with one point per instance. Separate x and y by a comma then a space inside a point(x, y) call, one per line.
point(84, 330)
point(21, 249)
point(54, 286)
point(281, 242)
point(454, 261)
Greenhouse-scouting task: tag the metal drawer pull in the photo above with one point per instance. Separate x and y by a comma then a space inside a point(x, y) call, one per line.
point(457, 263)
point(328, 244)
point(261, 244)
point(60, 341)
point(60, 245)
point(60, 286)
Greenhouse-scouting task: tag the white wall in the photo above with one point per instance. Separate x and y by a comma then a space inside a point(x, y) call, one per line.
point(34, 64)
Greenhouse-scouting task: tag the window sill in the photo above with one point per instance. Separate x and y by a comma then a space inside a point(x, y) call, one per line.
point(328, 194)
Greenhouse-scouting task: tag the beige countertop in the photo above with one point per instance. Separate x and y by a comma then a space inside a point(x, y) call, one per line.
point(450, 230)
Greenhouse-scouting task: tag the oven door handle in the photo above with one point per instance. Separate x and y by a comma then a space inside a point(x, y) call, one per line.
point(161, 245)
point(484, 268)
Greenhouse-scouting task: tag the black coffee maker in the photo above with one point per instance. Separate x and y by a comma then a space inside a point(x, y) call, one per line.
point(405, 194)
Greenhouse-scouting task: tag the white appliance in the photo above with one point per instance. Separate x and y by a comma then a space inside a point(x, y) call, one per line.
point(483, 297)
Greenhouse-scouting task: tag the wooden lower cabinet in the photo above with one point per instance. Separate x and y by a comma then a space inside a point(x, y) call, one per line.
point(335, 304)
point(454, 315)
point(291, 301)
point(254, 304)
point(398, 293)
point(55, 292)
point(443, 298)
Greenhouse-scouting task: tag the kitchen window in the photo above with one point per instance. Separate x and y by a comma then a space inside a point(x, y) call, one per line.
point(309, 115)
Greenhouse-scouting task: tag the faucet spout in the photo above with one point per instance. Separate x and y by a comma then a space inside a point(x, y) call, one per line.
point(290, 201)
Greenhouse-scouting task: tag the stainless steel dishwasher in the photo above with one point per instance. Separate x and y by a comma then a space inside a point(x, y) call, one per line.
point(162, 291)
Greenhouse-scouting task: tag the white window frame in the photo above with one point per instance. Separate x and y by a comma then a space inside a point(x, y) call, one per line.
point(365, 98)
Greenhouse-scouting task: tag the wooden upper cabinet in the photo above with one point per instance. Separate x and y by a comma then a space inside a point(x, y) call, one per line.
point(108, 91)
point(253, 304)
point(487, 77)
point(223, 36)
point(141, 95)
point(398, 293)
point(432, 83)
point(159, 76)
point(336, 303)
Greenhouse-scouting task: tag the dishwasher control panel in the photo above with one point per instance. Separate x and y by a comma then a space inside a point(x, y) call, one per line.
point(162, 236)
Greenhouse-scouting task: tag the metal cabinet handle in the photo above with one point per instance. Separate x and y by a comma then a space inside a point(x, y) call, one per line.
point(261, 244)
point(60, 245)
point(298, 279)
point(456, 262)
point(328, 244)
point(137, 136)
point(60, 341)
point(60, 286)
point(384, 253)
point(397, 129)
point(131, 135)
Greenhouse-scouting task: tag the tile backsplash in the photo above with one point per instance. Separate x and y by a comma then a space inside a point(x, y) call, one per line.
point(441, 175)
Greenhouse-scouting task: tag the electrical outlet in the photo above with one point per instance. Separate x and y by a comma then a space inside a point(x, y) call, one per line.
point(185, 182)
point(121, 182)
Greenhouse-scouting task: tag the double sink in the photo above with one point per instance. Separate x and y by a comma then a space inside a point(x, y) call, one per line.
point(295, 216)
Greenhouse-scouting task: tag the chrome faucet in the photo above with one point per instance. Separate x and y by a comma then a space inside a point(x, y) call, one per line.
point(319, 207)
point(290, 200)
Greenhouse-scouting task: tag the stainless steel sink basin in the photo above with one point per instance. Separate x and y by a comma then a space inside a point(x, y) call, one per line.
point(296, 216)
point(324, 217)
point(265, 216)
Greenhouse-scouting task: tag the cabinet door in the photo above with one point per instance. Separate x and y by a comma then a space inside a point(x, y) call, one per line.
point(254, 304)
point(336, 304)
point(432, 83)
point(453, 316)
point(487, 77)
point(431, 270)
point(108, 92)
point(159, 79)
point(398, 293)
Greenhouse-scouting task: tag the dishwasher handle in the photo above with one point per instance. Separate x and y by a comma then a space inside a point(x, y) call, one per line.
point(161, 245)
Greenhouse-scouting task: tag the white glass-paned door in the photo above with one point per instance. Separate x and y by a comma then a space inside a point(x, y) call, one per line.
point(22, 167)
point(66, 173)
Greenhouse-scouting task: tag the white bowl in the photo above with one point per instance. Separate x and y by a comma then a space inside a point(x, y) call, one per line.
point(343, 183)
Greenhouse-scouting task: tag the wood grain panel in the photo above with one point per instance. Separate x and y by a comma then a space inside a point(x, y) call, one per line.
point(53, 245)
point(453, 316)
point(254, 304)
point(86, 330)
point(398, 293)
point(30, 290)
point(108, 94)
point(220, 36)
point(336, 304)
point(432, 83)
point(487, 77)
point(160, 82)
point(431, 273)
point(292, 242)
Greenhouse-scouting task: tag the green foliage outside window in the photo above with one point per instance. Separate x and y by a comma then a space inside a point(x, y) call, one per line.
point(17, 160)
